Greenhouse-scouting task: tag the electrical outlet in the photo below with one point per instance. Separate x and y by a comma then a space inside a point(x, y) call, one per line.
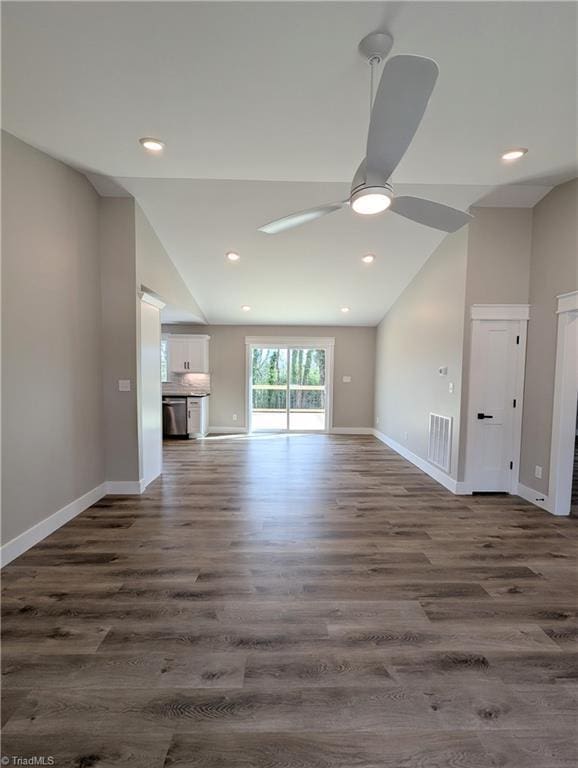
point(451, 387)
point(538, 472)
point(124, 385)
point(346, 379)
point(234, 417)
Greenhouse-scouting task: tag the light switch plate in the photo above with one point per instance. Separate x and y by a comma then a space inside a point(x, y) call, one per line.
point(538, 472)
point(124, 385)
point(346, 379)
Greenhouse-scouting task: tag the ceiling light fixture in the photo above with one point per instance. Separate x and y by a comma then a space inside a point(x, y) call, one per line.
point(371, 200)
point(345, 310)
point(232, 255)
point(152, 145)
point(246, 308)
point(514, 154)
point(369, 258)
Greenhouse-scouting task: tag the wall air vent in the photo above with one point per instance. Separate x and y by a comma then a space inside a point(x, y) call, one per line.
point(440, 441)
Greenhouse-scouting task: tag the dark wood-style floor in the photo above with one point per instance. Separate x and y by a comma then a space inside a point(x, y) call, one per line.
point(295, 602)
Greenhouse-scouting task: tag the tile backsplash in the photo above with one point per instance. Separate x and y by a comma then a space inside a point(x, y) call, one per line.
point(192, 382)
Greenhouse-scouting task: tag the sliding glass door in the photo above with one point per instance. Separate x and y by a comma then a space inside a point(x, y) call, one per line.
point(288, 389)
point(307, 389)
point(269, 396)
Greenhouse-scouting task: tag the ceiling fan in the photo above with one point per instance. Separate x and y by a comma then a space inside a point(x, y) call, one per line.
point(402, 96)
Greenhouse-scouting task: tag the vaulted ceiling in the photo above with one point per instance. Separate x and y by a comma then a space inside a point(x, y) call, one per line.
point(264, 110)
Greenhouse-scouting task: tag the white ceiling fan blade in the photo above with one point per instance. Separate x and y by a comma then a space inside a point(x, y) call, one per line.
point(404, 90)
point(431, 214)
point(302, 217)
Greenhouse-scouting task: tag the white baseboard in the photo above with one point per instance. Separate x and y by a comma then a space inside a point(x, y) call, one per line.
point(227, 430)
point(21, 543)
point(333, 431)
point(534, 497)
point(351, 431)
point(125, 487)
point(436, 474)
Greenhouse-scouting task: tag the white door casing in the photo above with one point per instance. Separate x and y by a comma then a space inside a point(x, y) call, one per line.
point(564, 412)
point(151, 437)
point(496, 384)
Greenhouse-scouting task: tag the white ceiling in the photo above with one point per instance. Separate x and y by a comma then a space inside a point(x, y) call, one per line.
point(275, 97)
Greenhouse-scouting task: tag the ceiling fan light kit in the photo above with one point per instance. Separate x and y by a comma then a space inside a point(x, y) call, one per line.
point(402, 96)
point(371, 200)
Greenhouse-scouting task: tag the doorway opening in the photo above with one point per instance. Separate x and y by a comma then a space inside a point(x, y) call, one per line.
point(289, 386)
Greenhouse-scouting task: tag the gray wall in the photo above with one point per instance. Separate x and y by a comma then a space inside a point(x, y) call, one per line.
point(554, 270)
point(72, 265)
point(498, 272)
point(354, 356)
point(120, 337)
point(421, 332)
point(53, 449)
point(499, 242)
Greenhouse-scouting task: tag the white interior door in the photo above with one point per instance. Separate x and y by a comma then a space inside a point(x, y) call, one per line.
point(151, 396)
point(494, 404)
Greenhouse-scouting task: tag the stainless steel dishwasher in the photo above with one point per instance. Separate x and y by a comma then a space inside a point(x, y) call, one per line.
point(175, 420)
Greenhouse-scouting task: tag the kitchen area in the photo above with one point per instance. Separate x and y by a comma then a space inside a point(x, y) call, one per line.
point(186, 385)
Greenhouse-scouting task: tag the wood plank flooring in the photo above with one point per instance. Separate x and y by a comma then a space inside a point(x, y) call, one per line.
point(300, 601)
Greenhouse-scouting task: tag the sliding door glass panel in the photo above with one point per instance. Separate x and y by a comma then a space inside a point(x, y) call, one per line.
point(269, 389)
point(307, 395)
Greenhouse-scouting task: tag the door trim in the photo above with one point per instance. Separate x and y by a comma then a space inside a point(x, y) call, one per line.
point(519, 314)
point(564, 410)
point(292, 342)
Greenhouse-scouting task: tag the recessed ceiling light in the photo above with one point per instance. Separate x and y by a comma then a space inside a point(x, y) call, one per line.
point(369, 258)
point(232, 255)
point(246, 308)
point(152, 145)
point(345, 309)
point(514, 154)
point(370, 200)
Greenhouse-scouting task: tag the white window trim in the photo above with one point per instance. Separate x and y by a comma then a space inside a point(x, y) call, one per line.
point(564, 411)
point(282, 342)
point(295, 342)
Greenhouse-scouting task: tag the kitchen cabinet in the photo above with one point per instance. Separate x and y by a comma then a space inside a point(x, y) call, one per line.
point(188, 354)
point(198, 416)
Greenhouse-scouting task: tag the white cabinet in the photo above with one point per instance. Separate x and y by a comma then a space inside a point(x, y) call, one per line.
point(178, 355)
point(197, 416)
point(188, 354)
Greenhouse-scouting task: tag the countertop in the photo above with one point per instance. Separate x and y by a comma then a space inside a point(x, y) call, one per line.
point(184, 393)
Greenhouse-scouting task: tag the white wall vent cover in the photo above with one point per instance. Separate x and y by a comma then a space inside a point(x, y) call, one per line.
point(440, 441)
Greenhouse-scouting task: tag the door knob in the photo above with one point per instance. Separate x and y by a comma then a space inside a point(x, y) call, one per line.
point(484, 416)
